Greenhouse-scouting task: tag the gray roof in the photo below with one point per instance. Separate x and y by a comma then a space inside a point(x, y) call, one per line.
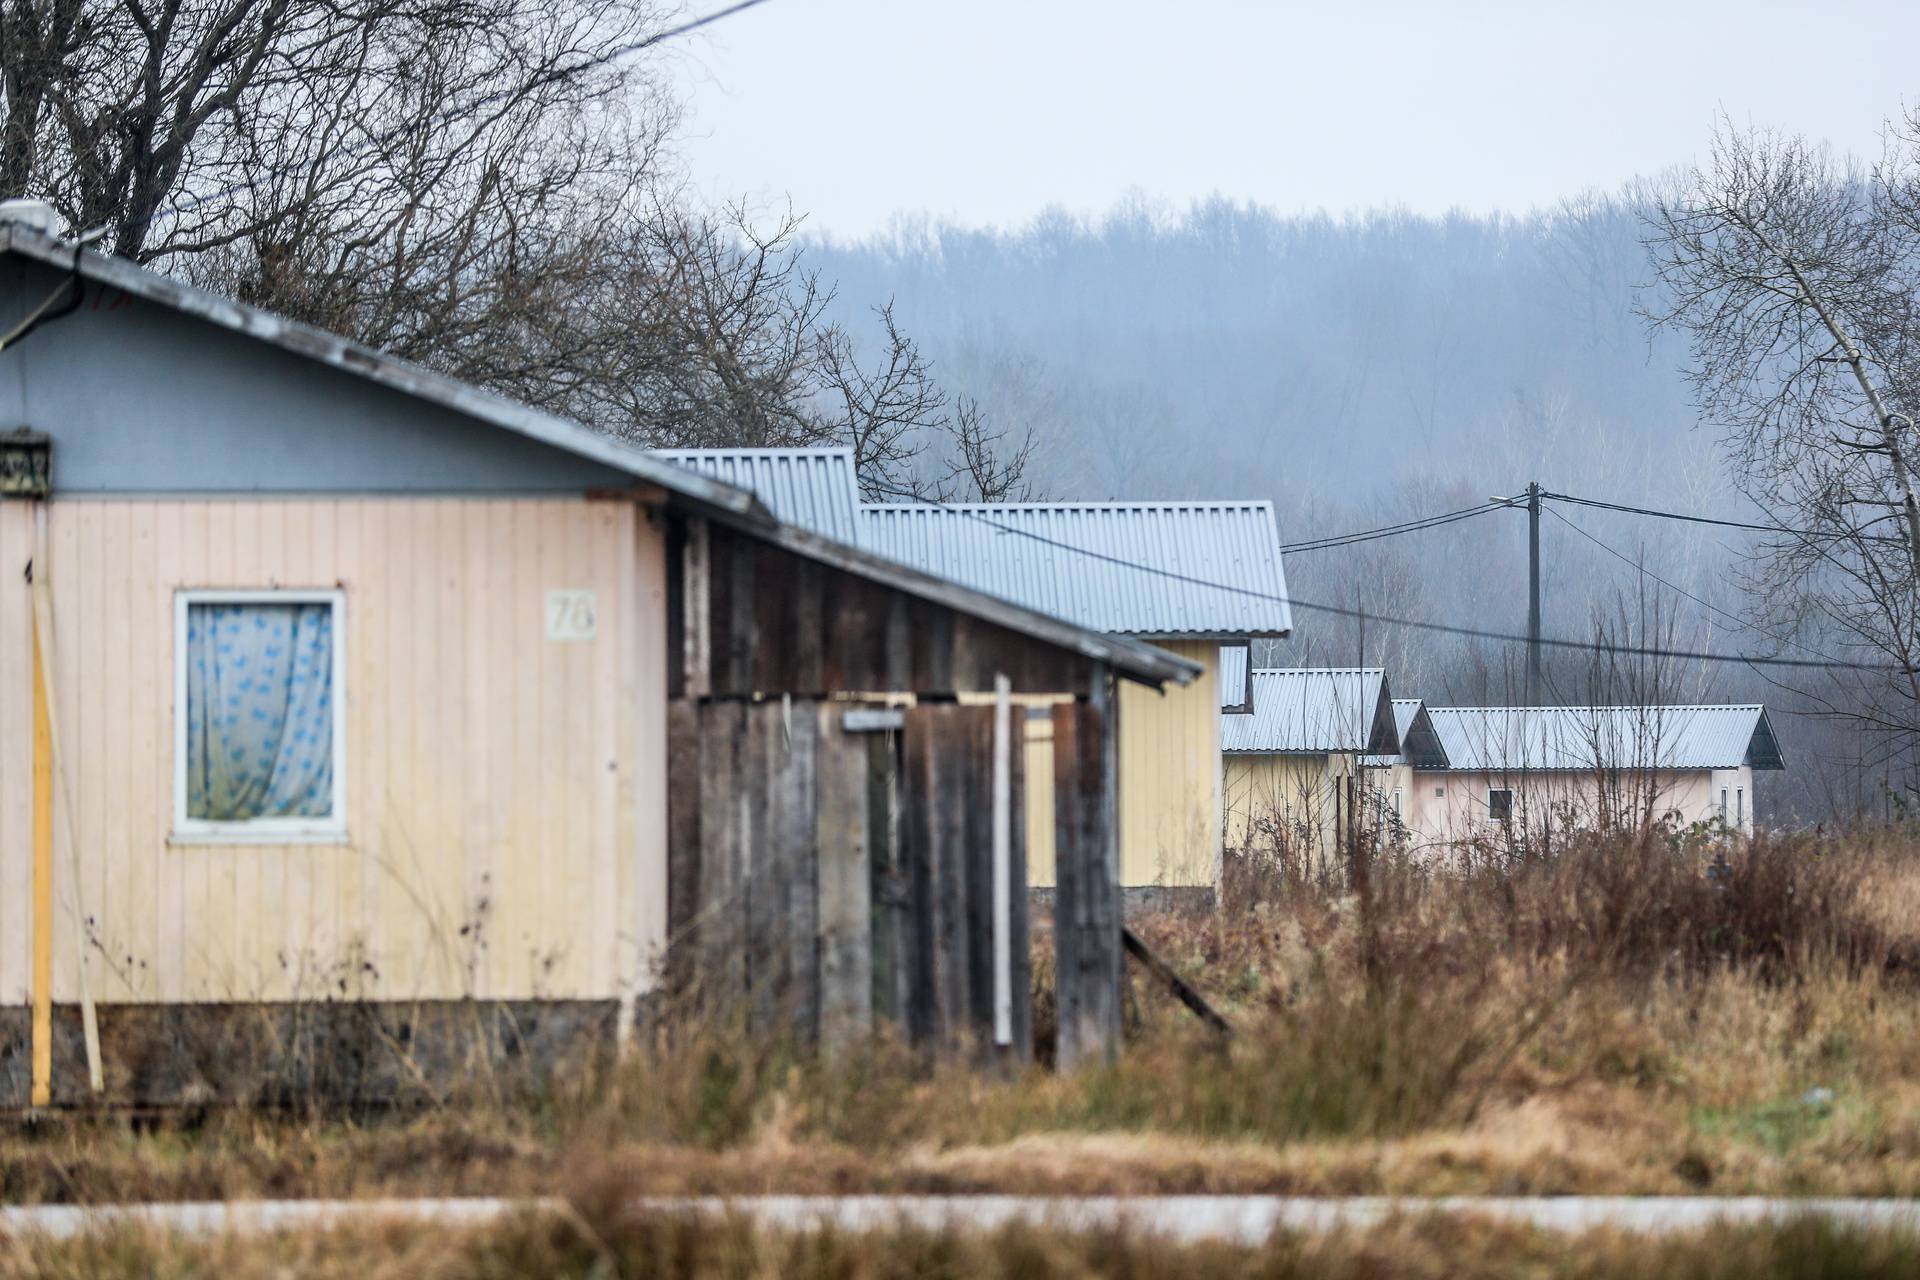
point(1202, 559)
point(684, 487)
point(813, 488)
point(1313, 711)
point(1525, 739)
point(379, 367)
point(1234, 661)
point(1420, 746)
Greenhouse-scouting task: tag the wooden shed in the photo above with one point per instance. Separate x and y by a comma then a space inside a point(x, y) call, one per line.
point(342, 704)
point(1184, 576)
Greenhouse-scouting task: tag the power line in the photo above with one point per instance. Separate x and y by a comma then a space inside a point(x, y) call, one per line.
point(693, 24)
point(1393, 530)
point(1441, 628)
point(1725, 524)
point(1705, 604)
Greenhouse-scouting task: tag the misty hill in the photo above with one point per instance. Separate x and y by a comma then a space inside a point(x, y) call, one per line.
point(1231, 347)
point(1361, 370)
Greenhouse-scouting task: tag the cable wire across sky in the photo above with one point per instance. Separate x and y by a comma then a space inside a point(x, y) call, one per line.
point(1442, 628)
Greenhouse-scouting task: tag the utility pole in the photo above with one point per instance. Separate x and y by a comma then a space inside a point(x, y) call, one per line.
point(1533, 594)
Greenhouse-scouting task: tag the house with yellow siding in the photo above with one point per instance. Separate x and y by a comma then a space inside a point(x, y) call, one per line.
point(1188, 577)
point(329, 682)
point(1293, 747)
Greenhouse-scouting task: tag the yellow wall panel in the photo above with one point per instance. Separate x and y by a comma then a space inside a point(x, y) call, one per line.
point(505, 791)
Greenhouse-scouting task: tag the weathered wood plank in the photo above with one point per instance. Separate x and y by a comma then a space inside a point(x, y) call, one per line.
point(765, 911)
point(684, 782)
point(974, 735)
point(793, 857)
point(887, 887)
point(721, 924)
point(1086, 897)
point(744, 634)
point(844, 886)
point(919, 853)
point(809, 628)
point(953, 808)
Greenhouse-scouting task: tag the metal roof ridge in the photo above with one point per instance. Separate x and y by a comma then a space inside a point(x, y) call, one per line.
point(1130, 504)
point(1610, 706)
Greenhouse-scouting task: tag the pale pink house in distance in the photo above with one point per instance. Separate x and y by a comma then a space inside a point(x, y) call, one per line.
point(1540, 769)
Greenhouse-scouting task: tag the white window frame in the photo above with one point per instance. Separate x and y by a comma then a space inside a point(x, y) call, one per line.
point(1496, 791)
point(331, 829)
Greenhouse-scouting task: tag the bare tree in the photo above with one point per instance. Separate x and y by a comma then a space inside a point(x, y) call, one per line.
point(883, 411)
point(910, 439)
point(1794, 277)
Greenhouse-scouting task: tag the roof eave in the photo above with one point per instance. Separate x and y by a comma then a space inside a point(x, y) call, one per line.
point(1132, 659)
point(681, 485)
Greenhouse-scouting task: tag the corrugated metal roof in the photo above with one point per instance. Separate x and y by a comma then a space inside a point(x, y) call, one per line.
point(1058, 558)
point(1520, 739)
point(1414, 732)
point(1311, 710)
point(813, 488)
point(1234, 660)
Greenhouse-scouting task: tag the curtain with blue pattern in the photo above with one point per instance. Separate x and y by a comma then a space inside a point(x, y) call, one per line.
point(259, 711)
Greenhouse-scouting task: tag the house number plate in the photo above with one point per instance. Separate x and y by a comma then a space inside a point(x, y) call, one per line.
point(570, 615)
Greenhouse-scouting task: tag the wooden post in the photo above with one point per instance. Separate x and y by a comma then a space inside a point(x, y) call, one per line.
point(1087, 917)
point(1002, 860)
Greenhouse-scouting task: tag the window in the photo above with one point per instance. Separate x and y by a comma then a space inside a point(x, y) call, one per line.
point(1740, 807)
point(259, 732)
point(1398, 812)
point(1723, 804)
point(1500, 804)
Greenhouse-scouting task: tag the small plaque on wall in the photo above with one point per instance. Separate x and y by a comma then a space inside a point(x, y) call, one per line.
point(571, 615)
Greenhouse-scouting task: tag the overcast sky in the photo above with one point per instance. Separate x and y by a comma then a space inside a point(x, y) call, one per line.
point(986, 111)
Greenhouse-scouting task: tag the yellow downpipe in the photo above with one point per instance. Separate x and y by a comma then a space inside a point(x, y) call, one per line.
point(42, 881)
point(44, 657)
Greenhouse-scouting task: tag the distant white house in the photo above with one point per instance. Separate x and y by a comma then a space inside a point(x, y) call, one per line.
point(1563, 768)
point(1309, 751)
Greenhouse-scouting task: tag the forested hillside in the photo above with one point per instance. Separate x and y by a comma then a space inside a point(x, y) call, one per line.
point(1364, 370)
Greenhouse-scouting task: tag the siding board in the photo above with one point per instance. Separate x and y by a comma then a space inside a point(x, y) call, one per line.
point(16, 754)
point(473, 743)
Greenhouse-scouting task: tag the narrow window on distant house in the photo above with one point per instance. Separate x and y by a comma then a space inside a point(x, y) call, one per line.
point(1500, 804)
point(1723, 804)
point(1740, 807)
point(1398, 812)
point(259, 716)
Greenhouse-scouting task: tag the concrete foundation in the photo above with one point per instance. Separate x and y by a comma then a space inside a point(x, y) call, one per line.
point(291, 1054)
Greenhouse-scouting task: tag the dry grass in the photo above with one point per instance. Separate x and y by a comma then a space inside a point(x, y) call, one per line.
point(1624, 1017)
point(672, 1249)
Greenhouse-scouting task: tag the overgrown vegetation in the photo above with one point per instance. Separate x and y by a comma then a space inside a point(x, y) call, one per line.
point(1633, 1014)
